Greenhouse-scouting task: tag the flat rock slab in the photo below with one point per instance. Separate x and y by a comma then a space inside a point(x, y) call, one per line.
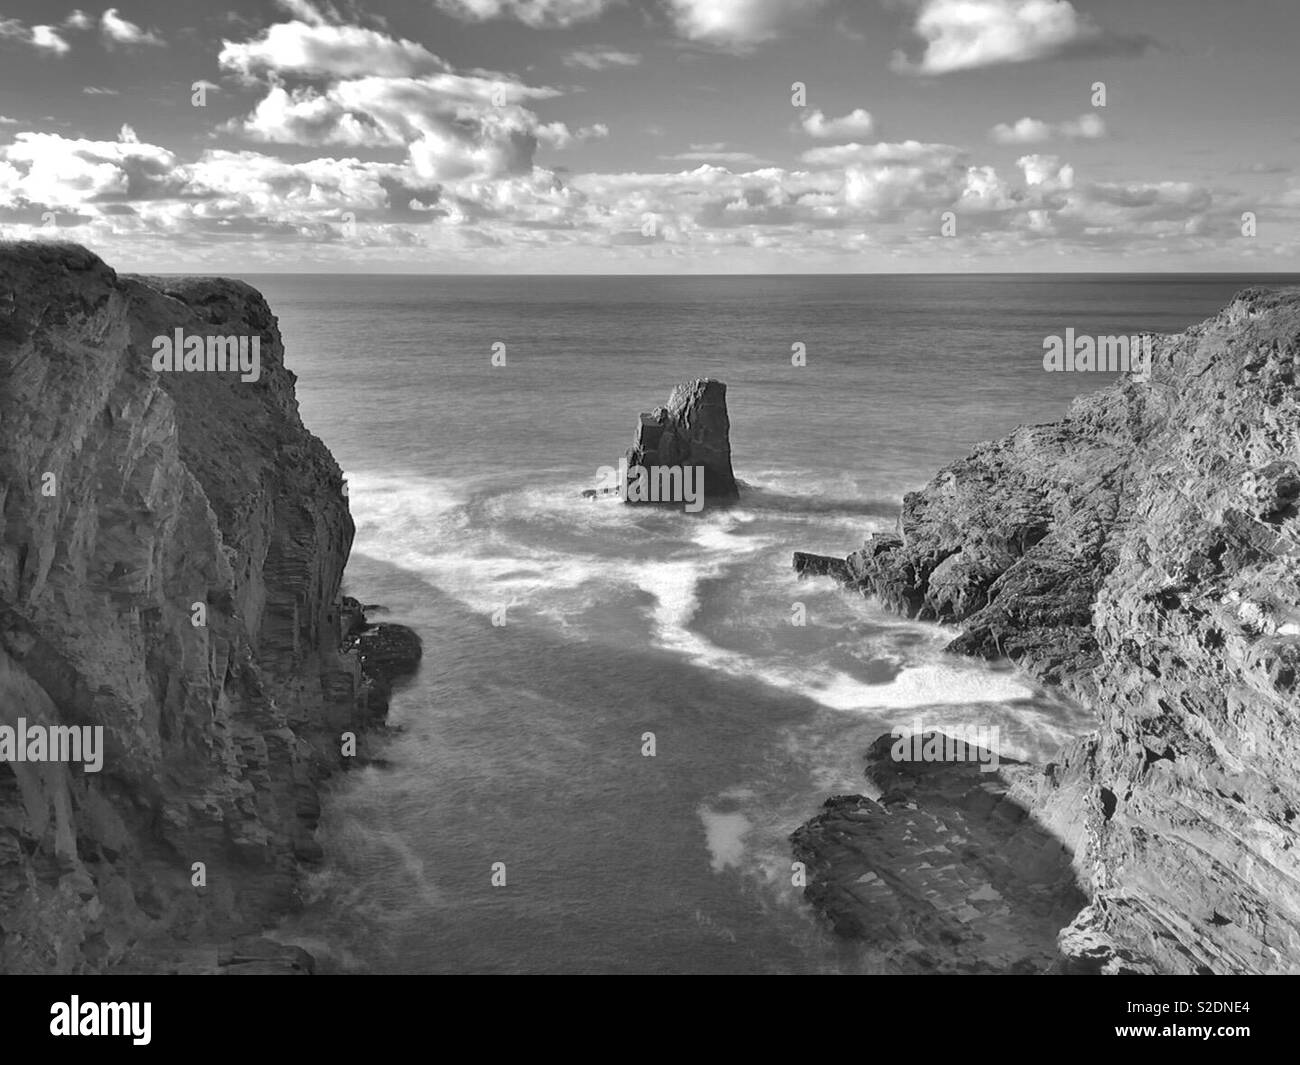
point(941, 871)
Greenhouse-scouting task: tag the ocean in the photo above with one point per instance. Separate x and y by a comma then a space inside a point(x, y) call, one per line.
point(518, 749)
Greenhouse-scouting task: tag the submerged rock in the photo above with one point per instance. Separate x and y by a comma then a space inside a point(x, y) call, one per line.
point(1144, 555)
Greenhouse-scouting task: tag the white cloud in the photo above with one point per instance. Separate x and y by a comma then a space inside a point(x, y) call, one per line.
point(47, 37)
point(1046, 172)
point(857, 123)
point(446, 123)
point(1085, 127)
point(536, 13)
point(1032, 131)
point(118, 30)
point(456, 165)
point(902, 152)
point(737, 23)
point(305, 11)
point(53, 171)
point(600, 58)
point(965, 34)
point(315, 48)
point(44, 38)
point(1023, 131)
point(887, 196)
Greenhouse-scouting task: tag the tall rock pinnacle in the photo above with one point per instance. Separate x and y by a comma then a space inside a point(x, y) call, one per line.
point(691, 430)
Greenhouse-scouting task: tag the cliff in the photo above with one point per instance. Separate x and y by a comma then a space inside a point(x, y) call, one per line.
point(1143, 554)
point(133, 503)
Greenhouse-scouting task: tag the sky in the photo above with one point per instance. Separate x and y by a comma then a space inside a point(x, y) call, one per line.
point(655, 136)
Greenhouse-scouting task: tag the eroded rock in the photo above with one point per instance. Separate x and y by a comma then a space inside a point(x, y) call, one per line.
point(692, 429)
point(128, 497)
point(1144, 555)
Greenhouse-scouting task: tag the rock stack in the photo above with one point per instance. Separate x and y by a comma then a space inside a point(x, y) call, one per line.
point(691, 430)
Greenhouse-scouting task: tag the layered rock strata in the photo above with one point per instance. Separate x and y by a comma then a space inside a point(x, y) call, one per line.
point(1143, 555)
point(171, 551)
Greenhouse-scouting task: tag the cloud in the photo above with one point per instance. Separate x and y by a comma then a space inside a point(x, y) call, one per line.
point(118, 30)
point(345, 86)
point(391, 148)
point(1032, 131)
point(48, 170)
point(42, 38)
point(48, 38)
point(715, 153)
point(861, 199)
point(306, 11)
point(79, 20)
point(966, 34)
point(316, 48)
point(93, 90)
point(600, 58)
point(857, 123)
point(1160, 196)
point(737, 23)
point(902, 152)
point(540, 14)
point(445, 123)
point(1046, 172)
point(906, 185)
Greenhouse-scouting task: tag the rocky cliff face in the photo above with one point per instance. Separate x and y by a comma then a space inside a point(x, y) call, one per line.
point(1144, 555)
point(128, 499)
point(693, 429)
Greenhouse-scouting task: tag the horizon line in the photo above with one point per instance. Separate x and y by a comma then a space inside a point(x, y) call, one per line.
point(684, 276)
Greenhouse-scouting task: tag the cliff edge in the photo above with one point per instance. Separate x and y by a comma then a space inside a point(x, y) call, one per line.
point(171, 551)
point(1144, 555)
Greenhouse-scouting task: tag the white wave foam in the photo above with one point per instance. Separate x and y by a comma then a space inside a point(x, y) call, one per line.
point(724, 834)
point(436, 528)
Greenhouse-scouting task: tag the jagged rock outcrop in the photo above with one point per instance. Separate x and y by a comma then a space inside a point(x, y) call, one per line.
point(807, 565)
point(691, 430)
point(387, 652)
point(1144, 555)
point(128, 496)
